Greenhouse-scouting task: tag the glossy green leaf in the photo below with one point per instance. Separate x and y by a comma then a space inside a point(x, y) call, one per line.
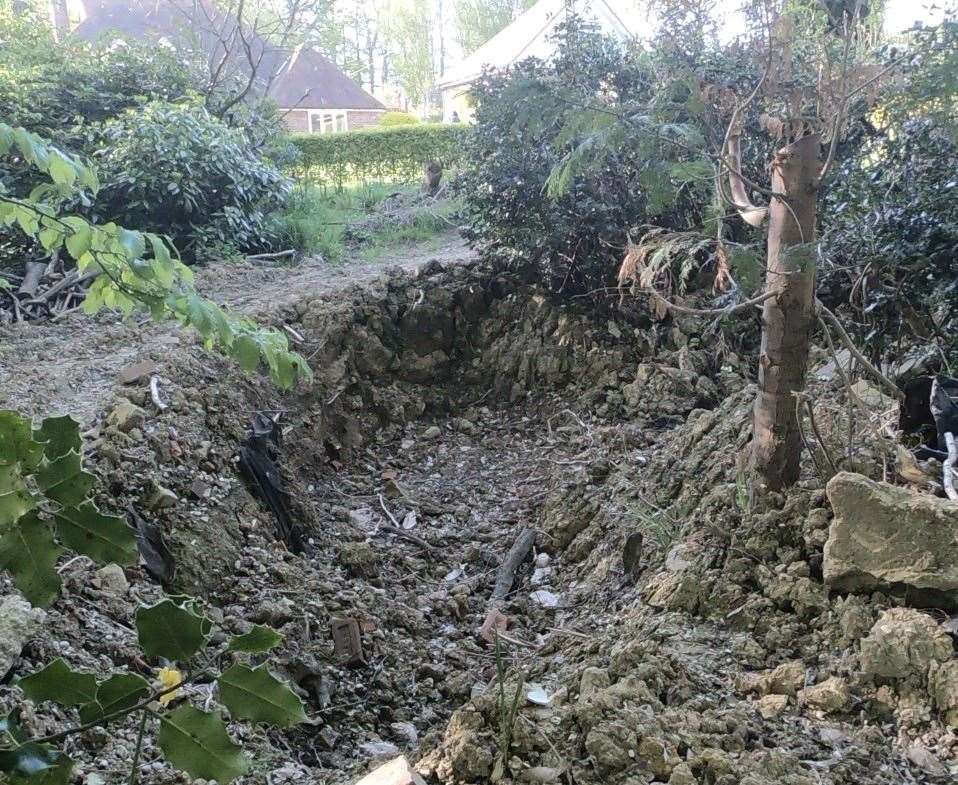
point(258, 640)
point(246, 352)
point(35, 764)
point(29, 553)
point(17, 444)
point(60, 683)
point(255, 694)
point(64, 480)
point(15, 499)
point(196, 742)
point(120, 691)
point(171, 630)
point(104, 538)
point(58, 435)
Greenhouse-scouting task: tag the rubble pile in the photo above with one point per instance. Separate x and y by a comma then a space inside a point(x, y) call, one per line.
point(665, 627)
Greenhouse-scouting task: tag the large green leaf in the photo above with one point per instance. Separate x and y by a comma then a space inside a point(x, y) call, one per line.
point(58, 435)
point(120, 691)
point(196, 742)
point(35, 764)
point(64, 480)
point(255, 694)
point(171, 630)
point(16, 441)
point(258, 640)
point(15, 499)
point(104, 538)
point(29, 554)
point(60, 683)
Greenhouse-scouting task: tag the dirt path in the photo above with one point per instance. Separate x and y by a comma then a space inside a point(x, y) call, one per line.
point(69, 367)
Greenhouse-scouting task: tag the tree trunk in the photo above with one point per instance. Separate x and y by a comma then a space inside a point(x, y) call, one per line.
point(787, 317)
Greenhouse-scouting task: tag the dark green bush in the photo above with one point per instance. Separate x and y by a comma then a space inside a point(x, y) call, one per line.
point(577, 238)
point(176, 170)
point(379, 154)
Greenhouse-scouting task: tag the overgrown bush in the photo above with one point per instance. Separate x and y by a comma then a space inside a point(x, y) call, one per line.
point(395, 154)
point(890, 220)
point(576, 234)
point(176, 170)
point(390, 119)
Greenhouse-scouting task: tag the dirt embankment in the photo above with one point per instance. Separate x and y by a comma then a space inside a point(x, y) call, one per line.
point(451, 409)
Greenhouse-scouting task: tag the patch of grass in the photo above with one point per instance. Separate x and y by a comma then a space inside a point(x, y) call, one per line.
point(315, 220)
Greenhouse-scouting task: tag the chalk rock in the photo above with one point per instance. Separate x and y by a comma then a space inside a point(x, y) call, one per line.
point(943, 685)
point(396, 772)
point(902, 643)
point(883, 537)
point(832, 695)
point(19, 621)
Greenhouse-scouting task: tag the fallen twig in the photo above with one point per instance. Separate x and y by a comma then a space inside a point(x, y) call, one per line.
point(397, 529)
point(276, 255)
point(850, 345)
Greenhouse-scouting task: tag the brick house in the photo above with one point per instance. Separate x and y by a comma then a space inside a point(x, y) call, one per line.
point(317, 98)
point(313, 95)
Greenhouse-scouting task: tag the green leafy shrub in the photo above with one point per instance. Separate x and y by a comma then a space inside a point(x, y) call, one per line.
point(176, 170)
point(131, 268)
point(45, 505)
point(379, 154)
point(390, 119)
point(522, 195)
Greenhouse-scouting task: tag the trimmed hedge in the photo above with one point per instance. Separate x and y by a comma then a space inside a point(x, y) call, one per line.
point(395, 154)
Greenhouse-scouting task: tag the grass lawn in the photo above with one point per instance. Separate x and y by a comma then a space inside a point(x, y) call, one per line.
point(358, 222)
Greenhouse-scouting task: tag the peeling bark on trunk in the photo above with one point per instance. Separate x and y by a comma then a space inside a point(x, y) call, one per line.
point(787, 317)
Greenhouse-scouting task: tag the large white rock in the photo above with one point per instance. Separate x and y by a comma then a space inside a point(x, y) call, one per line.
point(396, 772)
point(19, 622)
point(887, 537)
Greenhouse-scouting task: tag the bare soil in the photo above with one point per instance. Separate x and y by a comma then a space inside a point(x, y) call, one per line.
point(459, 405)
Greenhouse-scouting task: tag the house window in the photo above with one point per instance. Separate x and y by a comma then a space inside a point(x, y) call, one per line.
point(327, 121)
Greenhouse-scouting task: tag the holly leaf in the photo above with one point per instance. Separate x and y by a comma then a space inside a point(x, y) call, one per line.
point(255, 694)
point(15, 499)
point(64, 480)
point(121, 691)
point(196, 742)
point(104, 538)
point(58, 435)
point(58, 682)
point(16, 441)
point(35, 764)
point(170, 630)
point(29, 553)
point(258, 640)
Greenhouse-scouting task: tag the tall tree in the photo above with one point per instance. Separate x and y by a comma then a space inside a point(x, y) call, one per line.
point(479, 20)
point(410, 32)
point(792, 84)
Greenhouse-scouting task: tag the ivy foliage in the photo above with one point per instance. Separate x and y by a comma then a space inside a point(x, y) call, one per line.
point(396, 153)
point(43, 502)
point(131, 268)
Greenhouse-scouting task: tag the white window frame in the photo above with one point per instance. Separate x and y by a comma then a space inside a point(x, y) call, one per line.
point(327, 121)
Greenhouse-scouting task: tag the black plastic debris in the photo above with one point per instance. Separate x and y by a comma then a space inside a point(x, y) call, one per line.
point(157, 559)
point(930, 410)
point(259, 463)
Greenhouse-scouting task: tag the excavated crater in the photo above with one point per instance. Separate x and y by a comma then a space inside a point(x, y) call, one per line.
point(453, 411)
